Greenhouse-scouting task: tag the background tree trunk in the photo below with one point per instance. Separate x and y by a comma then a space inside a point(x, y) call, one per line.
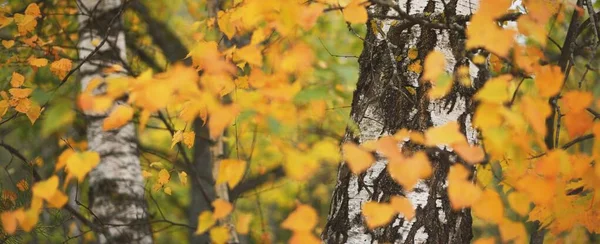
point(382, 104)
point(116, 195)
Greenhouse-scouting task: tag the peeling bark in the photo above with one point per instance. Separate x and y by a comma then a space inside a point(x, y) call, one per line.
point(116, 184)
point(382, 104)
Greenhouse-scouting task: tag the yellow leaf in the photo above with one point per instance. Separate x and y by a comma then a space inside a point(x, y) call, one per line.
point(38, 62)
point(157, 165)
point(146, 174)
point(304, 218)
point(358, 160)
point(222, 208)
point(250, 54)
point(549, 80)
point(355, 13)
point(95, 42)
point(377, 214)
point(3, 107)
point(188, 138)
point(163, 177)
point(413, 53)
point(327, 151)
point(177, 137)
point(519, 202)
point(183, 178)
point(403, 205)
point(63, 158)
point(407, 172)
point(81, 163)
point(495, 90)
point(34, 112)
point(447, 134)
point(8, 43)
point(45, 189)
point(167, 190)
point(118, 117)
point(231, 171)
point(242, 225)
point(205, 221)
point(20, 92)
point(220, 119)
point(435, 65)
point(489, 207)
point(219, 235)
point(17, 80)
point(225, 24)
point(61, 67)
point(513, 231)
point(58, 200)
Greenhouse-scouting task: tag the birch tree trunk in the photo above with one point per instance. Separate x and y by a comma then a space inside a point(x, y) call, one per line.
point(382, 104)
point(116, 194)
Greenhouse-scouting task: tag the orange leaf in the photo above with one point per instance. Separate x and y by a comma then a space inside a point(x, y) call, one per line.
point(61, 67)
point(358, 160)
point(250, 54)
point(118, 117)
point(17, 80)
point(37, 62)
point(222, 208)
point(403, 205)
point(471, 154)
point(309, 15)
point(304, 218)
point(45, 189)
point(355, 13)
point(549, 80)
point(461, 192)
point(377, 214)
point(435, 65)
point(536, 111)
point(489, 207)
point(409, 171)
point(577, 101)
point(242, 225)
point(304, 237)
point(577, 123)
point(447, 134)
point(519, 202)
point(20, 92)
point(220, 119)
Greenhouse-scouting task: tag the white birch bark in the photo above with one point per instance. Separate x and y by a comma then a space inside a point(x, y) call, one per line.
point(116, 184)
point(381, 106)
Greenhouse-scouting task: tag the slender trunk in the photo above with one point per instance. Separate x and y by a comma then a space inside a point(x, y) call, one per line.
point(382, 104)
point(116, 184)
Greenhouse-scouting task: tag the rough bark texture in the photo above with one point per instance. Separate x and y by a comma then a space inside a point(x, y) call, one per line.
point(116, 184)
point(382, 104)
